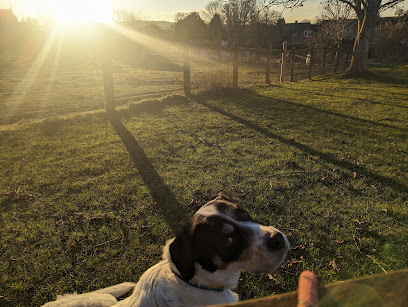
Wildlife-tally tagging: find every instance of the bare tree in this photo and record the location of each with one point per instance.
(7, 4)
(367, 12)
(266, 14)
(241, 13)
(335, 10)
(399, 11)
(180, 16)
(335, 23)
(387, 39)
(212, 8)
(129, 18)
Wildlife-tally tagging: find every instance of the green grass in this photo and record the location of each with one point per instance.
(86, 204)
(69, 85)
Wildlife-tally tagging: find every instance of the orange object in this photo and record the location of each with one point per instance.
(307, 290)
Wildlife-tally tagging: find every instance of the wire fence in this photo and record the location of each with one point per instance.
(211, 68)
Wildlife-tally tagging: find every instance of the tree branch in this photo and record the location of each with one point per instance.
(389, 4)
(349, 3)
(288, 4)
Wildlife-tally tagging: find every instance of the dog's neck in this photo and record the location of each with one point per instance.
(226, 278)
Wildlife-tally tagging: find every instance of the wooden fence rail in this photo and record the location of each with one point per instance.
(235, 62)
(283, 61)
(108, 83)
(384, 290)
(287, 59)
(187, 71)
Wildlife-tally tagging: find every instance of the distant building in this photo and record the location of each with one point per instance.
(297, 33)
(7, 18)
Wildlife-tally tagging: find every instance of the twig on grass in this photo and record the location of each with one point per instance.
(103, 244)
(358, 245)
(377, 263)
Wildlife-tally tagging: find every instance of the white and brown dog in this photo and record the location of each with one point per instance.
(202, 264)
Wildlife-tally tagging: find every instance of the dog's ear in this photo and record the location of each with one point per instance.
(221, 196)
(204, 244)
(182, 254)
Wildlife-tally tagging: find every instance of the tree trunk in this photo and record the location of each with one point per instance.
(366, 24)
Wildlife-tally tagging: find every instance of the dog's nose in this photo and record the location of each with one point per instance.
(275, 242)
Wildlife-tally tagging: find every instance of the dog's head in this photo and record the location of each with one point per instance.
(221, 235)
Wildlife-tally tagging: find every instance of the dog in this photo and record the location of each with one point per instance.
(201, 265)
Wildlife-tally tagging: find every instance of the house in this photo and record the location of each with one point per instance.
(297, 34)
(7, 18)
(9, 29)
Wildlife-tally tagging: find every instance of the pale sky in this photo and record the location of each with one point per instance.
(151, 9)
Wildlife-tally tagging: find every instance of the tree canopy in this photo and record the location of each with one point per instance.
(367, 12)
(190, 26)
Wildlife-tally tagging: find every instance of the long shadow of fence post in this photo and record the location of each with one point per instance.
(328, 157)
(167, 203)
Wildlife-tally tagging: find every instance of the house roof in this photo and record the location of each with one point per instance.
(295, 29)
(7, 16)
(298, 26)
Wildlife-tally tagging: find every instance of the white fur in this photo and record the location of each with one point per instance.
(101, 298)
(160, 287)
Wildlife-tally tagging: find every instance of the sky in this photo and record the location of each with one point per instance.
(79, 10)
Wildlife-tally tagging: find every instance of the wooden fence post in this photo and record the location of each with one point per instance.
(108, 83)
(388, 290)
(285, 46)
(347, 59)
(324, 58)
(235, 62)
(292, 67)
(187, 70)
(311, 63)
(338, 55)
(268, 63)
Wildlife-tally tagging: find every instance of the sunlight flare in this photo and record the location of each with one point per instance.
(67, 11)
(157, 46)
(37, 64)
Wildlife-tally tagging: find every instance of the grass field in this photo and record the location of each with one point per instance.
(87, 203)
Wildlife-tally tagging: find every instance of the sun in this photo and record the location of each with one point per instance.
(68, 11)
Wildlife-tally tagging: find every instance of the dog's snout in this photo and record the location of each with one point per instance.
(275, 242)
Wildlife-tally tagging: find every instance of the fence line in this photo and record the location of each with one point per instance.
(283, 61)
(314, 57)
(235, 62)
(187, 71)
(301, 62)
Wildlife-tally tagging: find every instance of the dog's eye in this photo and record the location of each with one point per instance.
(243, 215)
(228, 241)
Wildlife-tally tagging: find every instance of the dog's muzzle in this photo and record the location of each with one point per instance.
(275, 242)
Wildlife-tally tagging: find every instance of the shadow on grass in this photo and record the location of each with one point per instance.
(340, 115)
(303, 92)
(328, 157)
(157, 63)
(152, 105)
(125, 99)
(384, 77)
(167, 203)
